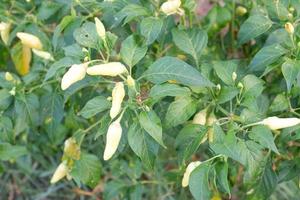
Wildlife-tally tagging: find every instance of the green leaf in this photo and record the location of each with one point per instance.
(11, 152)
(263, 136)
(87, 35)
(227, 93)
(6, 130)
(253, 86)
(254, 26)
(290, 71)
(280, 103)
(142, 144)
(180, 111)
(87, 169)
(222, 176)
(151, 28)
(225, 69)
(266, 56)
(170, 68)
(227, 145)
(189, 139)
(5, 99)
(94, 106)
(52, 111)
(192, 41)
(26, 111)
(166, 89)
(129, 13)
(198, 182)
(133, 50)
(265, 184)
(152, 125)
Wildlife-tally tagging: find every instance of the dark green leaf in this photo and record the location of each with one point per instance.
(290, 70)
(189, 139)
(180, 111)
(222, 176)
(254, 26)
(198, 182)
(169, 68)
(94, 106)
(133, 50)
(266, 56)
(152, 125)
(159, 91)
(151, 28)
(87, 169)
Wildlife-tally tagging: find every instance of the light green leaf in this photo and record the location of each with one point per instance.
(133, 50)
(253, 86)
(263, 136)
(254, 26)
(152, 125)
(290, 71)
(87, 35)
(225, 69)
(280, 103)
(266, 56)
(227, 93)
(170, 68)
(192, 41)
(151, 28)
(180, 111)
(5, 99)
(198, 182)
(222, 176)
(11, 152)
(87, 169)
(94, 106)
(142, 144)
(159, 91)
(188, 140)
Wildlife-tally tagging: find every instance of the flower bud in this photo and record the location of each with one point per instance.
(200, 117)
(240, 10)
(113, 138)
(234, 76)
(75, 73)
(130, 81)
(43, 54)
(188, 171)
(12, 92)
(240, 85)
(170, 7)
(72, 149)
(289, 28)
(275, 123)
(4, 30)
(100, 28)
(118, 94)
(8, 76)
(30, 40)
(108, 69)
(60, 172)
(218, 87)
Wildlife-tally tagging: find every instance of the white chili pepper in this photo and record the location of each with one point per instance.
(30, 40)
(75, 73)
(60, 172)
(118, 94)
(108, 69)
(188, 171)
